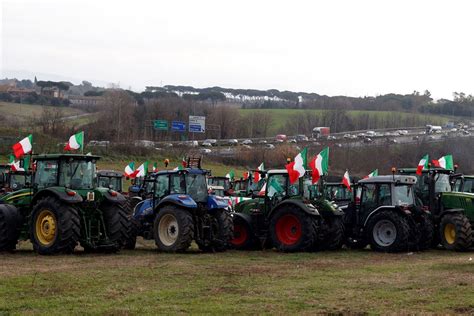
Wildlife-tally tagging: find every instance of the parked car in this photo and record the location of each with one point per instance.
(211, 141)
(247, 142)
(233, 141)
(301, 138)
(263, 141)
(269, 146)
(206, 144)
(205, 151)
(281, 137)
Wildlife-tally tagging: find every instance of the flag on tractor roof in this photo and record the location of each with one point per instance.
(445, 162)
(184, 163)
(142, 170)
(129, 170)
(319, 165)
(75, 142)
(155, 167)
(15, 164)
(423, 164)
(23, 147)
(346, 180)
(256, 174)
(230, 175)
(372, 174)
(274, 187)
(297, 168)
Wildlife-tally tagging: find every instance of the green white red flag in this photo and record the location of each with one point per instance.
(23, 147)
(230, 175)
(445, 162)
(346, 180)
(423, 164)
(246, 175)
(372, 174)
(297, 168)
(75, 142)
(319, 165)
(155, 167)
(15, 164)
(142, 170)
(129, 170)
(256, 174)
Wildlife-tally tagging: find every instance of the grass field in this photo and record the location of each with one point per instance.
(281, 116)
(24, 112)
(144, 281)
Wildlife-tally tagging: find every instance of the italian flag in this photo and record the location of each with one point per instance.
(155, 167)
(237, 200)
(445, 162)
(180, 167)
(15, 164)
(372, 174)
(423, 164)
(319, 164)
(184, 163)
(246, 175)
(230, 175)
(129, 170)
(274, 187)
(142, 170)
(346, 180)
(297, 168)
(262, 190)
(75, 142)
(23, 147)
(256, 174)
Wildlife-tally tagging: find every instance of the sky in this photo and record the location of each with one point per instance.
(332, 47)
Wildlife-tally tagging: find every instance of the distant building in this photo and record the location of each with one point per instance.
(14, 91)
(52, 92)
(83, 100)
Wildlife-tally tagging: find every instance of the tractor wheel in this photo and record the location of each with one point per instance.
(332, 234)
(456, 232)
(244, 238)
(9, 222)
(54, 227)
(292, 230)
(426, 232)
(117, 225)
(173, 229)
(388, 232)
(222, 230)
(132, 232)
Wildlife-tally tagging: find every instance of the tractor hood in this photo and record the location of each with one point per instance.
(214, 201)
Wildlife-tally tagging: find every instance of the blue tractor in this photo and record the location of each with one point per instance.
(178, 209)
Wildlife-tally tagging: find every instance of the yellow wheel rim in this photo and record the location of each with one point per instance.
(46, 227)
(450, 233)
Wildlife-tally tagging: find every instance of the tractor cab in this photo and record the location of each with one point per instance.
(464, 183)
(17, 180)
(4, 169)
(110, 179)
(224, 182)
(250, 187)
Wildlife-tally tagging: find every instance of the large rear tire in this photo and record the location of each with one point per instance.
(456, 232)
(117, 225)
(133, 225)
(222, 230)
(291, 230)
(388, 232)
(173, 229)
(54, 227)
(426, 228)
(9, 224)
(332, 234)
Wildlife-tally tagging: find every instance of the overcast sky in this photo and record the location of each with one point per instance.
(331, 47)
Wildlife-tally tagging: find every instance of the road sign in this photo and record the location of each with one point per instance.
(177, 126)
(197, 124)
(160, 125)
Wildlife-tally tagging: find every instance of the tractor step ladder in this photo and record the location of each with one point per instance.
(194, 162)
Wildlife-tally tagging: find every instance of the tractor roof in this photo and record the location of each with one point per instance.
(109, 173)
(218, 177)
(185, 170)
(65, 156)
(389, 179)
(277, 171)
(413, 170)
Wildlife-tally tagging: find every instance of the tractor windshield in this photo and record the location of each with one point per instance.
(403, 195)
(442, 183)
(196, 187)
(241, 185)
(337, 192)
(219, 182)
(17, 181)
(77, 174)
(114, 183)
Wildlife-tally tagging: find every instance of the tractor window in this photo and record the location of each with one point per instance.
(442, 183)
(468, 185)
(177, 184)
(162, 184)
(385, 196)
(17, 181)
(403, 195)
(77, 174)
(114, 183)
(276, 186)
(458, 185)
(46, 174)
(369, 198)
(196, 187)
(310, 190)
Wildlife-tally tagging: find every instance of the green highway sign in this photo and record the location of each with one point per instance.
(160, 125)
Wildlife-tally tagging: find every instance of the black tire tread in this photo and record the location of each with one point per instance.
(403, 232)
(8, 227)
(185, 220)
(464, 232)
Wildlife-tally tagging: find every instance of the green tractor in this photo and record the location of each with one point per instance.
(110, 179)
(452, 212)
(64, 207)
(15, 180)
(286, 217)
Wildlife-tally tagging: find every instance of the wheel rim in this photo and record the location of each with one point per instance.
(288, 229)
(384, 233)
(450, 233)
(168, 230)
(240, 235)
(45, 227)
